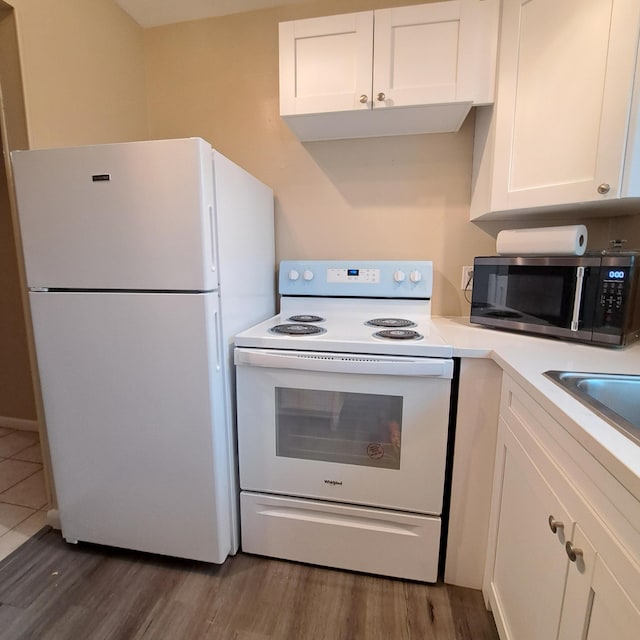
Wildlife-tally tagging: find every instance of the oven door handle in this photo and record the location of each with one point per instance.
(342, 363)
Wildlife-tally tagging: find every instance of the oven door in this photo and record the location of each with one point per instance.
(361, 429)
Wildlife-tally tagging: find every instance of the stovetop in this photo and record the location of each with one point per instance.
(327, 304)
(341, 336)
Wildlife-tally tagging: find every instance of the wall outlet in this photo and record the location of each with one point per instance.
(467, 279)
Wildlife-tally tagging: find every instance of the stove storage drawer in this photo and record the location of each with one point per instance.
(366, 430)
(359, 539)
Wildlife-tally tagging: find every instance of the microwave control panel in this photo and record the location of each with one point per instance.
(615, 294)
(612, 294)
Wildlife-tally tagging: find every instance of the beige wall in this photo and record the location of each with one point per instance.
(83, 72)
(16, 386)
(81, 82)
(399, 197)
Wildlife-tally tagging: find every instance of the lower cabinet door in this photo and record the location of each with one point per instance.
(530, 565)
(596, 605)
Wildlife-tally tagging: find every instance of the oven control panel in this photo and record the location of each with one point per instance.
(353, 274)
(364, 278)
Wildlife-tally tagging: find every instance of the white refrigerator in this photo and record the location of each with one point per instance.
(143, 260)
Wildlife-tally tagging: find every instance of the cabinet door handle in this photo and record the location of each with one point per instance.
(573, 552)
(381, 97)
(604, 188)
(364, 98)
(554, 524)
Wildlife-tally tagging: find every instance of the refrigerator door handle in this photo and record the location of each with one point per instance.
(216, 320)
(214, 234)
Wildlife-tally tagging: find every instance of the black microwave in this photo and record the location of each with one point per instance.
(593, 298)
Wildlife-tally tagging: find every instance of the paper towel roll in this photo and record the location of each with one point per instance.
(570, 240)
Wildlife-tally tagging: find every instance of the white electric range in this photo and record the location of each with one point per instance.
(343, 419)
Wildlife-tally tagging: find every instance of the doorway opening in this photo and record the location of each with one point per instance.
(24, 493)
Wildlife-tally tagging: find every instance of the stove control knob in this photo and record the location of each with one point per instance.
(415, 276)
(293, 274)
(399, 276)
(307, 275)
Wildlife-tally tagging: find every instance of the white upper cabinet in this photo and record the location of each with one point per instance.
(416, 69)
(564, 129)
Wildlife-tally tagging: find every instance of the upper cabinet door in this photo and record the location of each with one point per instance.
(325, 64)
(422, 55)
(570, 86)
(563, 105)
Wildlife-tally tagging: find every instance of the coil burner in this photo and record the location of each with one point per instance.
(306, 318)
(390, 323)
(398, 334)
(297, 329)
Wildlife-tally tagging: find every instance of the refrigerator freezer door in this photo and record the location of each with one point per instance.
(133, 393)
(244, 208)
(136, 216)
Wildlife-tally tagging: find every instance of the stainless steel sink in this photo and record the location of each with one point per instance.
(614, 397)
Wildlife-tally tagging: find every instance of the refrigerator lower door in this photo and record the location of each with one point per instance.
(133, 392)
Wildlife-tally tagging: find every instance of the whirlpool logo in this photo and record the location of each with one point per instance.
(334, 483)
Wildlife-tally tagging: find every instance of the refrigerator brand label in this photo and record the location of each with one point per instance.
(101, 177)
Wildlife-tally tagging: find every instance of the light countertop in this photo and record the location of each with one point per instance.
(526, 358)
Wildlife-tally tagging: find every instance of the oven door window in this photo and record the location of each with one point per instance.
(337, 426)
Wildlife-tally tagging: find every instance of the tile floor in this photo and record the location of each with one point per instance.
(23, 498)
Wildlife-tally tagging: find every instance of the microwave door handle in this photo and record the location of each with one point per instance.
(577, 298)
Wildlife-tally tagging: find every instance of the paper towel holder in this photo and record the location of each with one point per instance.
(617, 245)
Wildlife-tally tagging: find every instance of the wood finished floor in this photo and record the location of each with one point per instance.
(51, 590)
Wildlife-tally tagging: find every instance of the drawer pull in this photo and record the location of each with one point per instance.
(573, 552)
(554, 524)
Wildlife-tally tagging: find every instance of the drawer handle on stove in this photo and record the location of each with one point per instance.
(341, 363)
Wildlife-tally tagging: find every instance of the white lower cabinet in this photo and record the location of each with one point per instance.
(563, 549)
(530, 561)
(596, 606)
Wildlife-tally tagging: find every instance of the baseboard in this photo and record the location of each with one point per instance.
(498, 616)
(19, 423)
(53, 518)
